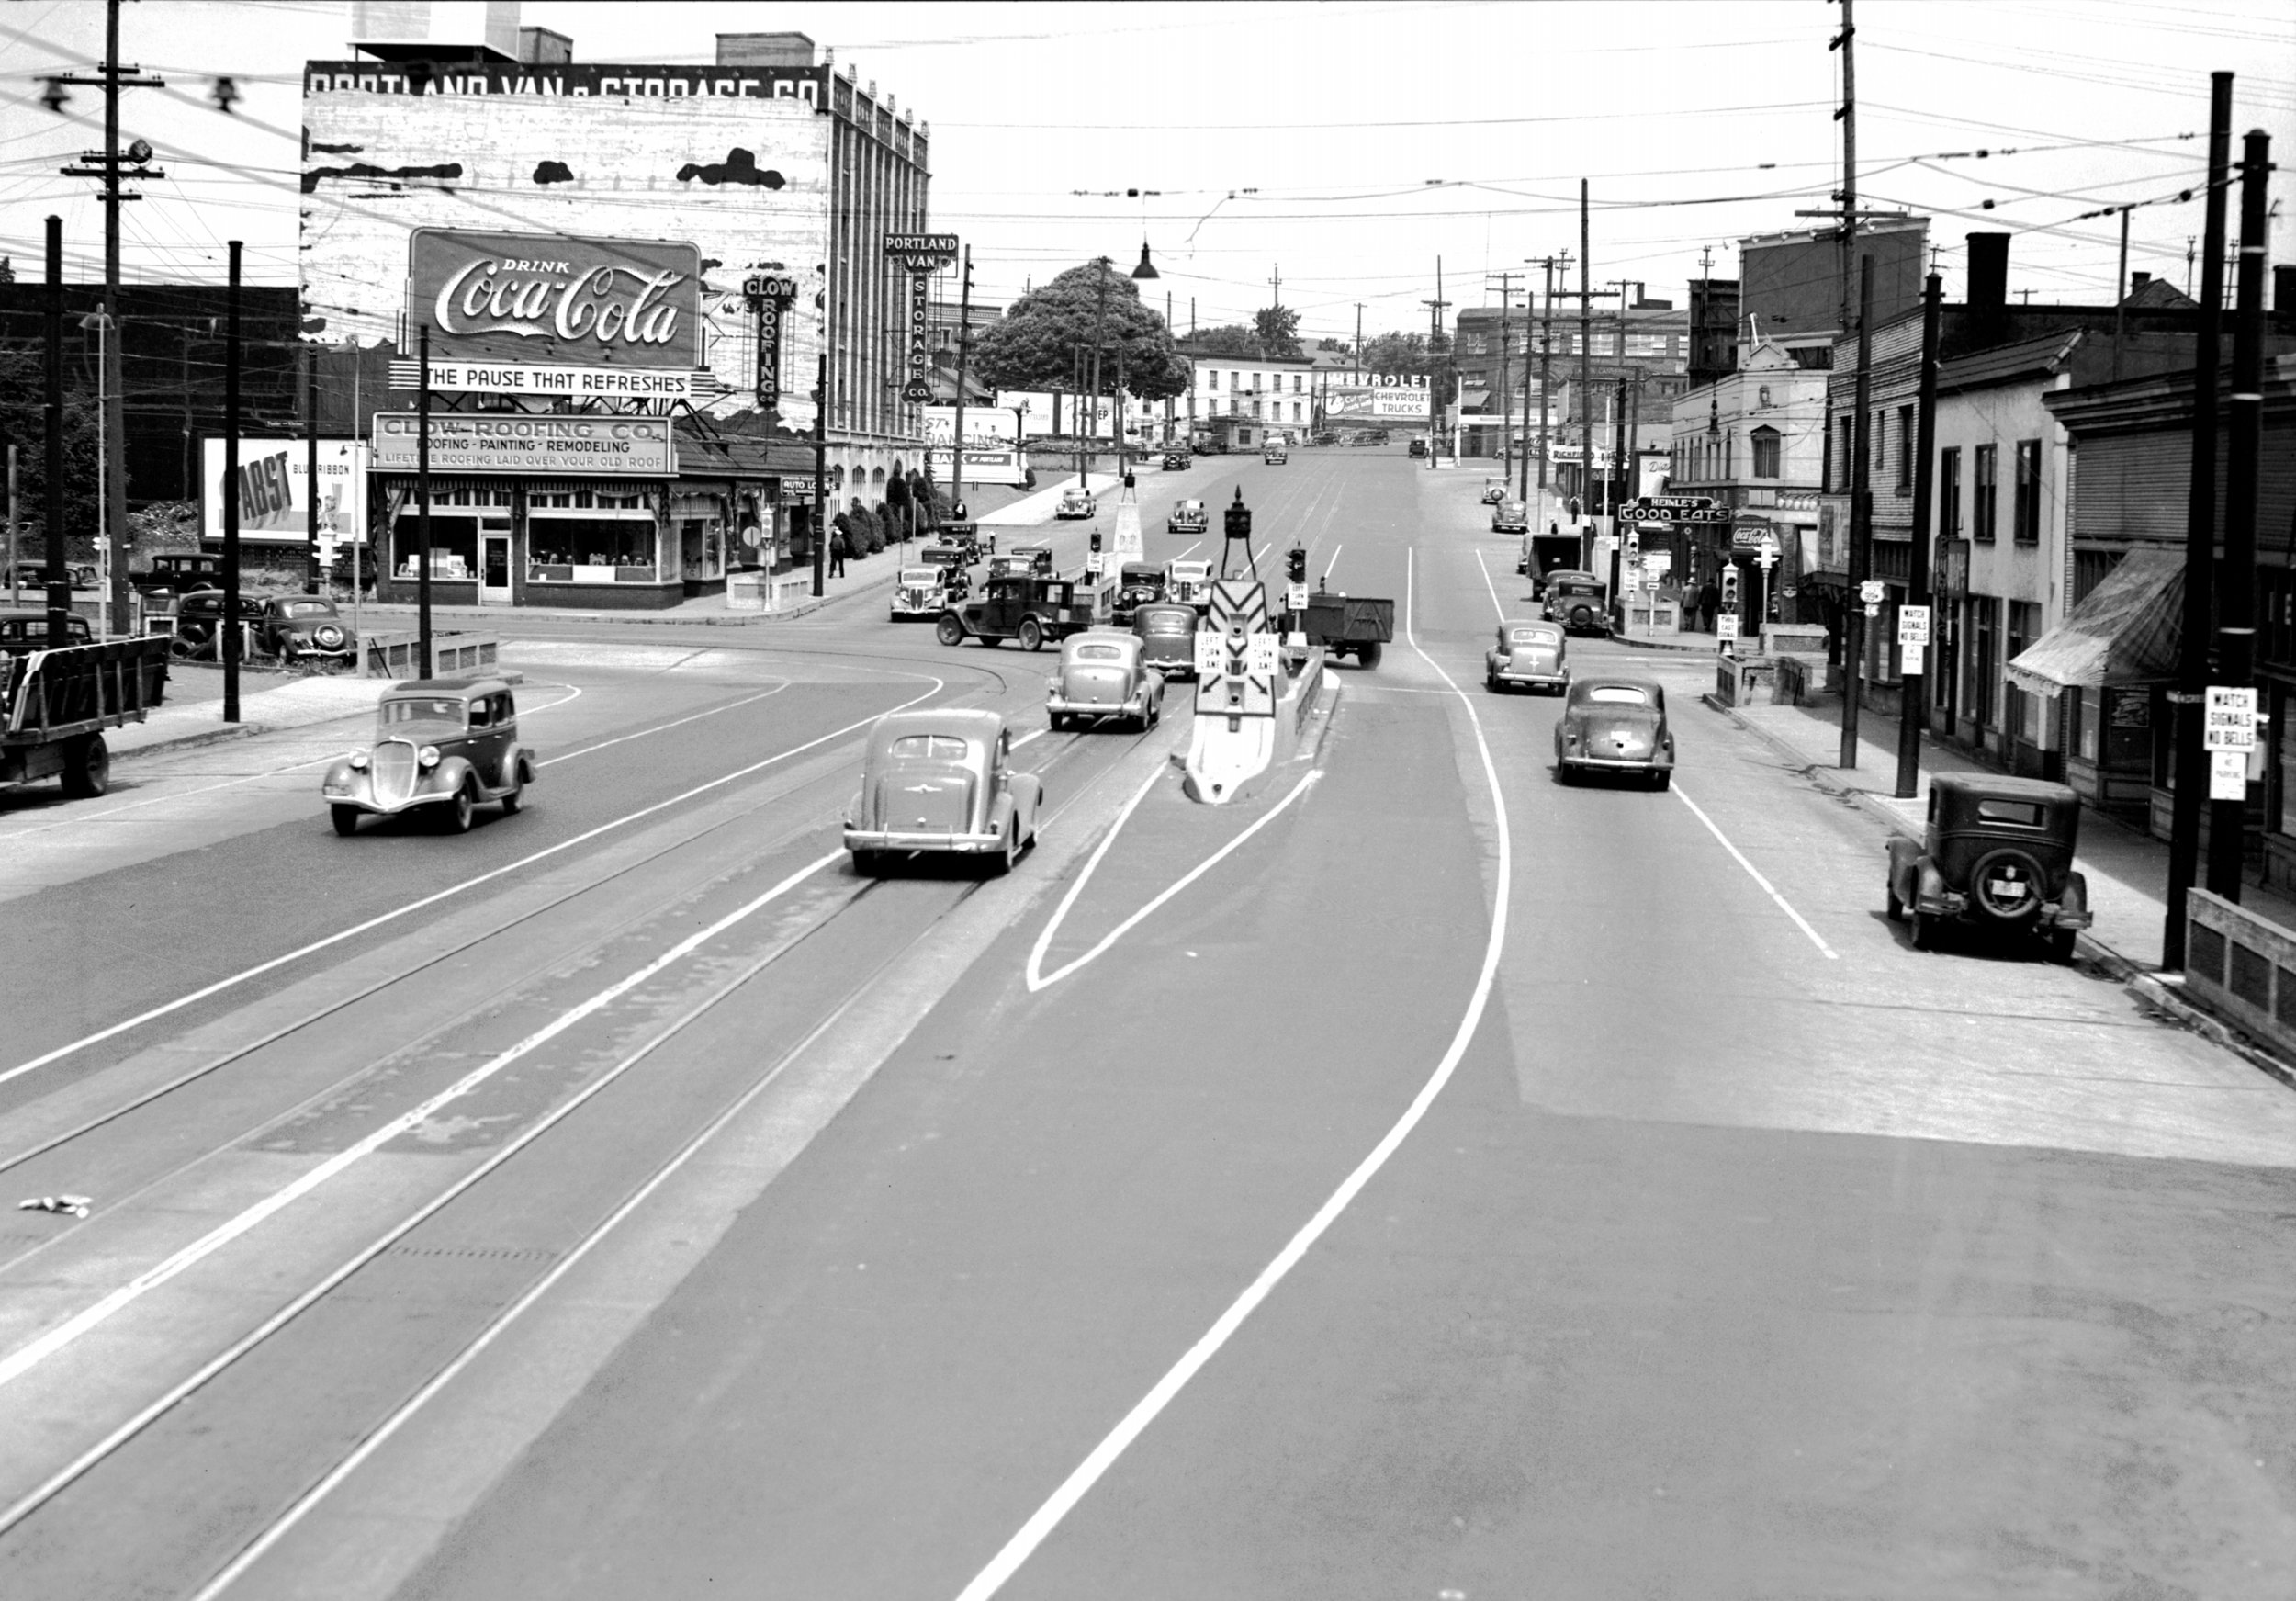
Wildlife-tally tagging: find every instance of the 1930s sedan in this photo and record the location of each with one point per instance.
(919, 593)
(1579, 601)
(1188, 582)
(303, 630)
(942, 783)
(1138, 585)
(1103, 678)
(443, 746)
(1166, 631)
(1997, 854)
(1187, 517)
(1075, 502)
(1531, 654)
(1614, 725)
(1509, 515)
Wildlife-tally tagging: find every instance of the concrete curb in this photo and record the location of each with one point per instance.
(2157, 991)
(1660, 645)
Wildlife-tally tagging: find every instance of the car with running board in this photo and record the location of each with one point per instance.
(1028, 608)
(443, 747)
(1995, 856)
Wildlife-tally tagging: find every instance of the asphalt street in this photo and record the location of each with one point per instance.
(1465, 1185)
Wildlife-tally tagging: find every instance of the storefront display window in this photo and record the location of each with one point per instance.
(590, 547)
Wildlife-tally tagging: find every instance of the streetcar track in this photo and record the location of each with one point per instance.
(822, 920)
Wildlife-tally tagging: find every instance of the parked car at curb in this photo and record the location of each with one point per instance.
(942, 783)
(304, 629)
(1187, 517)
(1166, 631)
(1494, 491)
(1579, 601)
(1614, 725)
(1104, 678)
(1075, 502)
(1529, 654)
(919, 593)
(443, 746)
(1997, 854)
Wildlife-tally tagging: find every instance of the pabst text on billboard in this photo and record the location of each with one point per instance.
(554, 300)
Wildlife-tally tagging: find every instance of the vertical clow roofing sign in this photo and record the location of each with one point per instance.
(555, 298)
(920, 255)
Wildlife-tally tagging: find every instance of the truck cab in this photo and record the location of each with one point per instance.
(1027, 607)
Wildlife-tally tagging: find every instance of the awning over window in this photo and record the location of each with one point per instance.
(2126, 631)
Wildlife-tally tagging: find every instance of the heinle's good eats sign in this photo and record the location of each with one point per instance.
(467, 442)
(554, 300)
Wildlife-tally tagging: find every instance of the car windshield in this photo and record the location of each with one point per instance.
(928, 748)
(1618, 695)
(446, 713)
(1099, 653)
(1170, 621)
(924, 575)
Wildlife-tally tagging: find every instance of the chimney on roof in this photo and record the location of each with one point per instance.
(765, 49)
(1988, 272)
(544, 47)
(2138, 280)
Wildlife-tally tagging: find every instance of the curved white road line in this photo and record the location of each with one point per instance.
(1039, 979)
(221, 985)
(1755, 874)
(1047, 1517)
(659, 727)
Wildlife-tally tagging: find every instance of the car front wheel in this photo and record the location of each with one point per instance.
(345, 819)
(1032, 633)
(949, 630)
(462, 808)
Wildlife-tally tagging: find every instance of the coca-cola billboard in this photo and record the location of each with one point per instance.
(555, 299)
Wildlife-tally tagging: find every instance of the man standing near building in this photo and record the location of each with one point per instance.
(1709, 605)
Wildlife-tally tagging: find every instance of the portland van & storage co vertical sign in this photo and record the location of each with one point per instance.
(920, 255)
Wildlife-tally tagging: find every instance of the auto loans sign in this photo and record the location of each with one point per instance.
(556, 300)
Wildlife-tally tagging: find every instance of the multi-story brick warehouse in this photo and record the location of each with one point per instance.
(768, 162)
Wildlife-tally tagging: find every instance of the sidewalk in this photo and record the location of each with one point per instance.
(2127, 869)
(191, 713)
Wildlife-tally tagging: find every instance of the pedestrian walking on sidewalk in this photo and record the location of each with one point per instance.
(837, 550)
(1709, 604)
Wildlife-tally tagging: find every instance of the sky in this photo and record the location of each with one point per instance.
(1347, 147)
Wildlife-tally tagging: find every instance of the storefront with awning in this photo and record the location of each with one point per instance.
(2112, 658)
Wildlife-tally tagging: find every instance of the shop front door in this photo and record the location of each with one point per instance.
(494, 570)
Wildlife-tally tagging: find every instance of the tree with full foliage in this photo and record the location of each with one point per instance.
(1397, 352)
(1278, 329)
(1035, 344)
(24, 423)
(1228, 339)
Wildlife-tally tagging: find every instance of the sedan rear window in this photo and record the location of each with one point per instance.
(1617, 695)
(1099, 653)
(2026, 814)
(1534, 637)
(928, 748)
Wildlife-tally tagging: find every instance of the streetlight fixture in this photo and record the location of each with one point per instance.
(1146, 269)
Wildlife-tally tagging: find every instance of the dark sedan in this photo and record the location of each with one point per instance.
(1614, 725)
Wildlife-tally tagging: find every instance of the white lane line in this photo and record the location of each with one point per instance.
(1183, 555)
(1033, 734)
(221, 985)
(1073, 1489)
(1334, 561)
(1755, 873)
(1039, 979)
(1493, 588)
(24, 1358)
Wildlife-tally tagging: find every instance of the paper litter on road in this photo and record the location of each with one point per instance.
(77, 1205)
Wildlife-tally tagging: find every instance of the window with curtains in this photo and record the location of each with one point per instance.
(1984, 493)
(1766, 452)
(2026, 525)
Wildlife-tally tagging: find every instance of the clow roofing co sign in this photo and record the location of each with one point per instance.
(555, 299)
(920, 255)
(527, 442)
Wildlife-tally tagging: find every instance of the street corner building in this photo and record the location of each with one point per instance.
(627, 285)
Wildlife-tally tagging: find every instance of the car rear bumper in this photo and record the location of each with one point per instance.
(1135, 707)
(1621, 763)
(1954, 904)
(1544, 679)
(896, 840)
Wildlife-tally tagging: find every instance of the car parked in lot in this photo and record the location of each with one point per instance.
(1529, 654)
(1614, 725)
(26, 630)
(1579, 601)
(1104, 679)
(919, 593)
(305, 630)
(1177, 461)
(1996, 853)
(1166, 632)
(1510, 516)
(1138, 583)
(942, 783)
(1187, 517)
(33, 575)
(177, 573)
(443, 746)
(196, 616)
(1075, 502)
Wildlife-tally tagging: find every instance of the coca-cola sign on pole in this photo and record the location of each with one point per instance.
(552, 299)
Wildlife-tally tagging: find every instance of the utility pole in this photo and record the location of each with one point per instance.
(821, 471)
(1861, 521)
(1435, 384)
(1913, 708)
(310, 471)
(1358, 336)
(2236, 575)
(1586, 357)
(964, 342)
(59, 580)
(1847, 115)
(2120, 294)
(1099, 329)
(115, 76)
(227, 635)
(422, 499)
(1506, 391)
(2192, 665)
(1545, 363)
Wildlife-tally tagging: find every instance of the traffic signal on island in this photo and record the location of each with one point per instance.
(1096, 542)
(1296, 564)
(1729, 587)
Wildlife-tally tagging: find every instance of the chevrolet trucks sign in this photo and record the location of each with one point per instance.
(554, 300)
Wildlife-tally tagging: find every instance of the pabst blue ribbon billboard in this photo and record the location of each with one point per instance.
(556, 300)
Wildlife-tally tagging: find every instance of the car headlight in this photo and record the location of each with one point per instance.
(358, 760)
(427, 758)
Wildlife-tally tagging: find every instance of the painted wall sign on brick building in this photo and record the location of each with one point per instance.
(528, 442)
(556, 299)
(577, 79)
